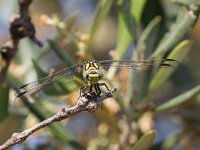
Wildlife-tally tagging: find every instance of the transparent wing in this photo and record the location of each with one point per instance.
(51, 83)
(113, 68)
(139, 65)
(134, 76)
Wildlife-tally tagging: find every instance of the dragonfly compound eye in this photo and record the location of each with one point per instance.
(86, 74)
(100, 73)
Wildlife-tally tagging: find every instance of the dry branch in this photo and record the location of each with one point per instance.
(90, 102)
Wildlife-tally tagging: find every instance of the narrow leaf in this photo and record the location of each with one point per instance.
(61, 87)
(39, 71)
(126, 29)
(179, 100)
(178, 53)
(125, 8)
(187, 2)
(145, 141)
(147, 38)
(141, 48)
(64, 57)
(123, 36)
(183, 22)
(137, 9)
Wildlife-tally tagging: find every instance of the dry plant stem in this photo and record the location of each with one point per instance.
(89, 102)
(20, 27)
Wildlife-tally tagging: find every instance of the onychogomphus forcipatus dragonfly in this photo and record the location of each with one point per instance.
(92, 72)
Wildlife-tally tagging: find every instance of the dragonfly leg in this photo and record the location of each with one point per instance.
(103, 84)
(82, 90)
(98, 90)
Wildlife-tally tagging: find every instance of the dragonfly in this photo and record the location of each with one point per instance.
(93, 73)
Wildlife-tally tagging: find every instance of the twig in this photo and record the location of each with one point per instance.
(20, 27)
(90, 102)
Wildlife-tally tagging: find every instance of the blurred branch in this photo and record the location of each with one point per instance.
(90, 102)
(20, 27)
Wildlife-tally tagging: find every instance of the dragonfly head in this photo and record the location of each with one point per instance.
(92, 72)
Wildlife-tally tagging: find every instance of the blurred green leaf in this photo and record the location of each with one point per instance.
(178, 53)
(126, 27)
(147, 38)
(129, 20)
(141, 50)
(187, 2)
(178, 100)
(123, 37)
(137, 9)
(183, 22)
(64, 57)
(103, 8)
(4, 97)
(59, 87)
(39, 71)
(145, 142)
(170, 142)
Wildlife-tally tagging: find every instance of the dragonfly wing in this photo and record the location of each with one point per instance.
(136, 65)
(54, 80)
(138, 74)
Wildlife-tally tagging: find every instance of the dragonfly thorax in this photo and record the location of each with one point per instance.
(92, 73)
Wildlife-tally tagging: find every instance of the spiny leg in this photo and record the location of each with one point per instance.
(97, 87)
(103, 84)
(82, 90)
(98, 90)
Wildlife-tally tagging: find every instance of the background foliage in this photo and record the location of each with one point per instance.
(166, 115)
